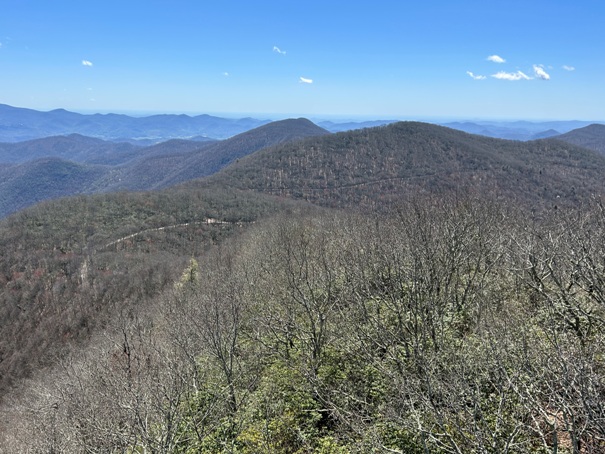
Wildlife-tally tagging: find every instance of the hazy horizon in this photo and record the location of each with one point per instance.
(336, 118)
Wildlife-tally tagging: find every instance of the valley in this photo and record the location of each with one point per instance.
(406, 287)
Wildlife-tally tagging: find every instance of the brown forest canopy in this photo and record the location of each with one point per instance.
(453, 301)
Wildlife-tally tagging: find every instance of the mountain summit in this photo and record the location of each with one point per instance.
(373, 166)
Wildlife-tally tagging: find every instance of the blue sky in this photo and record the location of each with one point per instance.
(348, 59)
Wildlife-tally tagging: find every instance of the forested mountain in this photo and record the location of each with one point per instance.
(88, 150)
(49, 177)
(376, 167)
(452, 303)
(22, 185)
(545, 134)
(126, 167)
(170, 147)
(163, 170)
(73, 147)
(591, 136)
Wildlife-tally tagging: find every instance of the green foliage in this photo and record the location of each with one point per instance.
(190, 276)
(284, 415)
(397, 439)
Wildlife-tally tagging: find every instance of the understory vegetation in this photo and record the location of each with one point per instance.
(455, 326)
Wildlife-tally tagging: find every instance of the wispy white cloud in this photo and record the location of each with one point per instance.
(304, 80)
(278, 50)
(540, 73)
(503, 75)
(226, 74)
(496, 59)
(568, 68)
(476, 76)
(86, 63)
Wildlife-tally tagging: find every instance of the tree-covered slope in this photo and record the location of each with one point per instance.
(452, 326)
(159, 171)
(375, 166)
(22, 185)
(73, 147)
(592, 137)
(69, 266)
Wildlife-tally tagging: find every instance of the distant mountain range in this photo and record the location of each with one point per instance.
(73, 163)
(351, 125)
(19, 124)
(517, 130)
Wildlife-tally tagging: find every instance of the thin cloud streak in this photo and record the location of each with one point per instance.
(476, 76)
(86, 63)
(519, 75)
(304, 80)
(568, 68)
(278, 50)
(496, 59)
